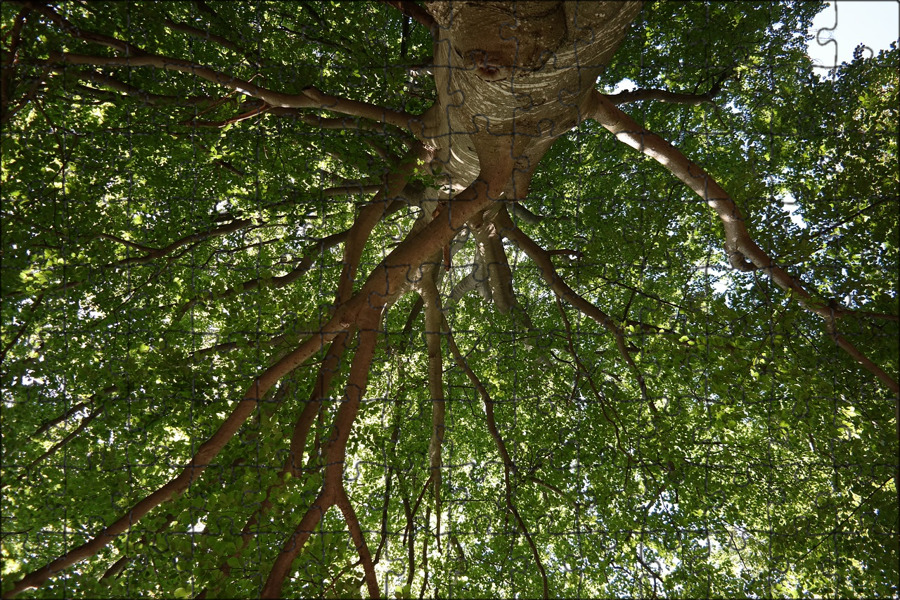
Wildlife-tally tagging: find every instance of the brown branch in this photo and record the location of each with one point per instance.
(253, 112)
(743, 252)
(293, 463)
(273, 282)
(264, 507)
(127, 89)
(411, 554)
(414, 11)
(309, 98)
(177, 485)
(136, 57)
(10, 57)
(340, 123)
(661, 96)
(48, 424)
(204, 35)
(433, 317)
(493, 258)
(549, 486)
(363, 308)
(587, 375)
(389, 476)
(327, 371)
(425, 539)
(673, 97)
(199, 236)
(229, 346)
(403, 120)
(542, 258)
(356, 534)
(76, 32)
(334, 457)
(116, 568)
(403, 265)
(124, 242)
(508, 464)
(371, 214)
(53, 449)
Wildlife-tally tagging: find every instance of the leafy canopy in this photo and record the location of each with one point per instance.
(168, 238)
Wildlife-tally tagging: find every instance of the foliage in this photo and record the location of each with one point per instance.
(159, 254)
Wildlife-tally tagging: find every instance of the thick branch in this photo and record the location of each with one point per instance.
(403, 265)
(743, 252)
(363, 308)
(327, 371)
(413, 10)
(371, 214)
(8, 70)
(497, 266)
(334, 460)
(176, 486)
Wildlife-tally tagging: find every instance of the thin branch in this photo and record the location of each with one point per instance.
(126, 89)
(204, 35)
(76, 32)
(277, 282)
(137, 57)
(55, 421)
(601, 399)
(508, 464)
(433, 317)
(15, 339)
(520, 212)
(661, 96)
(83, 425)
(152, 255)
(309, 98)
(334, 456)
(116, 568)
(124, 242)
(391, 469)
(542, 258)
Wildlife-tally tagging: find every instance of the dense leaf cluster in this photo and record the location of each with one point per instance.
(166, 239)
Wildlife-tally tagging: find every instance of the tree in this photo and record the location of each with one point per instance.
(339, 299)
